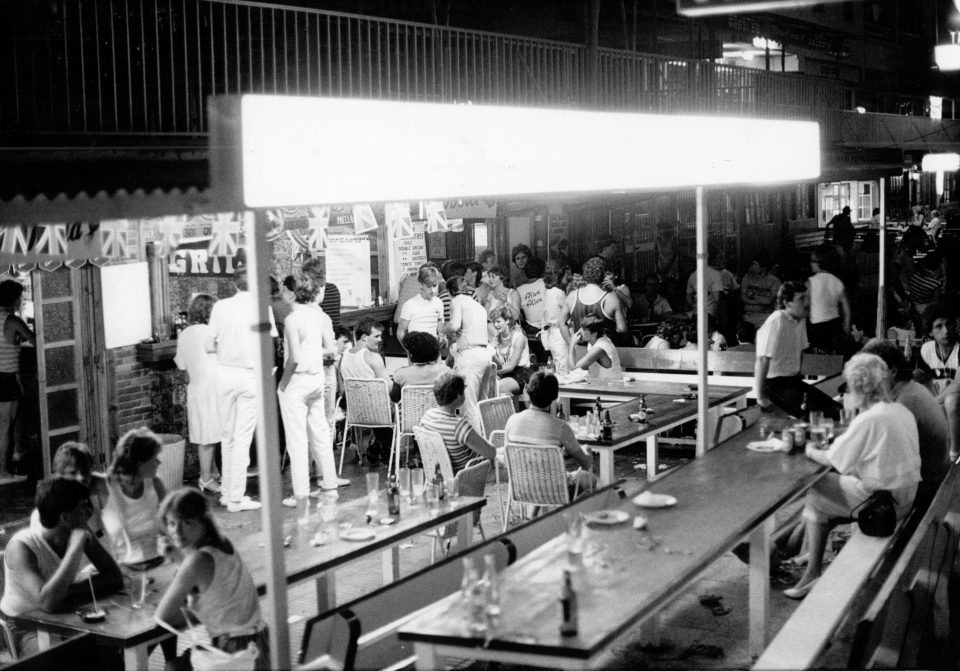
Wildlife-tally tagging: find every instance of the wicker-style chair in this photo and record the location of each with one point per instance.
(368, 407)
(490, 384)
(433, 451)
(498, 439)
(536, 475)
(414, 401)
(8, 639)
(494, 413)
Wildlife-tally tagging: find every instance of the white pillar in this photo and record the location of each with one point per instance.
(704, 347)
(882, 281)
(271, 486)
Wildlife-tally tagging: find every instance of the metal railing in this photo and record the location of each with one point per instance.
(147, 67)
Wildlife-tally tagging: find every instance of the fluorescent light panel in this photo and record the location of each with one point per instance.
(946, 162)
(307, 151)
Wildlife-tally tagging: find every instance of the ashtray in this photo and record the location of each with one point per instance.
(92, 615)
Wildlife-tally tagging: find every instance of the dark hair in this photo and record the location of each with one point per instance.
(542, 389)
(487, 254)
(672, 330)
(593, 270)
(789, 290)
(605, 241)
(455, 285)
(10, 292)
(135, 447)
(447, 387)
(365, 327)
(746, 332)
(498, 271)
(553, 272)
(421, 347)
(187, 503)
(315, 268)
(593, 324)
(343, 332)
(75, 454)
(521, 249)
(429, 276)
(453, 269)
(289, 282)
(200, 307)
(534, 268)
(474, 266)
(240, 278)
(891, 355)
(305, 288)
(827, 257)
(649, 276)
(56, 496)
(939, 311)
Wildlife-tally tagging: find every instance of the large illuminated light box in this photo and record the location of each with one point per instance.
(947, 162)
(271, 151)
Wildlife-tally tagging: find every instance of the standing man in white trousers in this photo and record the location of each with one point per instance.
(468, 325)
(234, 340)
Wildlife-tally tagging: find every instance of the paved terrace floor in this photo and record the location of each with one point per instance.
(693, 636)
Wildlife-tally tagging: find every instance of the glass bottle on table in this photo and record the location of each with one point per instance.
(393, 496)
(438, 481)
(492, 585)
(569, 620)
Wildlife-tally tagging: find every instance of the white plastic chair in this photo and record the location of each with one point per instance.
(414, 401)
(537, 476)
(368, 407)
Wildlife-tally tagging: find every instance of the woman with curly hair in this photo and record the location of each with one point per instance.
(307, 334)
(203, 418)
(512, 351)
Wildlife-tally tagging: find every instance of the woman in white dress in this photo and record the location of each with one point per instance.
(203, 419)
(602, 359)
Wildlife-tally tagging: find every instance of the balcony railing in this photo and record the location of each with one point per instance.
(147, 67)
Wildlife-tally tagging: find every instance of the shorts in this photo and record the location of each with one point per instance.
(10, 387)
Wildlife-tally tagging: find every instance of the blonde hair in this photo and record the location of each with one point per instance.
(867, 378)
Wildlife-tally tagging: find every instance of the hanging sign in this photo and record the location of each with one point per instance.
(470, 209)
(411, 254)
(348, 266)
(192, 258)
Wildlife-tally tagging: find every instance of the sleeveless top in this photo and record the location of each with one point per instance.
(309, 322)
(353, 364)
(132, 524)
(229, 605)
(9, 351)
(595, 309)
(16, 599)
(615, 370)
(505, 350)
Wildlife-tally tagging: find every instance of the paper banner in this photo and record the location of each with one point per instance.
(398, 220)
(363, 219)
(307, 226)
(436, 219)
(170, 230)
(55, 243)
(225, 235)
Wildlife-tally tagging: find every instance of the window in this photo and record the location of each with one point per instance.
(865, 202)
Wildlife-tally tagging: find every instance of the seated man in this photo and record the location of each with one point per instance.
(424, 367)
(462, 441)
(537, 426)
(42, 565)
(364, 361)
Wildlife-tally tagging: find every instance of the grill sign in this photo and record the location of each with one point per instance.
(706, 7)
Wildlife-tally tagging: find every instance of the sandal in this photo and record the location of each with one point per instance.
(209, 486)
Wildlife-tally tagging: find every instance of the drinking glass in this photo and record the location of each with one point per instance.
(328, 507)
(847, 415)
(816, 416)
(818, 434)
(404, 481)
(765, 430)
(453, 489)
(373, 483)
(416, 483)
(574, 522)
(137, 588)
(432, 493)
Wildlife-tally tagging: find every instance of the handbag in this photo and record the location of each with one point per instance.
(877, 515)
(203, 657)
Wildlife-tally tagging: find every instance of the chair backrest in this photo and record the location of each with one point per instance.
(490, 384)
(734, 423)
(330, 643)
(537, 474)
(415, 399)
(368, 401)
(494, 413)
(79, 652)
(433, 451)
(497, 438)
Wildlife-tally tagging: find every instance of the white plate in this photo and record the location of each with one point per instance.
(606, 517)
(358, 534)
(651, 500)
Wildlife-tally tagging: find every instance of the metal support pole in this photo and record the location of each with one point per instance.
(702, 399)
(271, 486)
(882, 283)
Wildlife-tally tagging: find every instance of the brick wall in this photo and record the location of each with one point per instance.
(131, 383)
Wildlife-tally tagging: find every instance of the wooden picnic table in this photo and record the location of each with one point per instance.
(629, 575)
(133, 631)
(673, 404)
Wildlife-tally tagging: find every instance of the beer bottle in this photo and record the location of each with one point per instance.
(393, 495)
(438, 481)
(568, 607)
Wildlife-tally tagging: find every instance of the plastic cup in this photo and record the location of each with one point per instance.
(373, 483)
(138, 589)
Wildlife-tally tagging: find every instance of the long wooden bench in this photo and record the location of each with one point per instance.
(372, 621)
(862, 561)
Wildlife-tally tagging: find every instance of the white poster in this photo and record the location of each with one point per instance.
(348, 266)
(411, 254)
(126, 304)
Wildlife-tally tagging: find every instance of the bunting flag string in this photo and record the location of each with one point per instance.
(171, 231)
(225, 235)
(364, 220)
(398, 221)
(436, 219)
(114, 239)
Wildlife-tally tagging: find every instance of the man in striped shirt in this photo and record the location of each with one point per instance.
(462, 441)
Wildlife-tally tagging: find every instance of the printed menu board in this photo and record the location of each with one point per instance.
(348, 266)
(411, 254)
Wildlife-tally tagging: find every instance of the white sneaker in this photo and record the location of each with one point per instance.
(334, 484)
(240, 506)
(289, 502)
(224, 502)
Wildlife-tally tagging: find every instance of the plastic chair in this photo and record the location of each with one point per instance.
(330, 642)
(490, 384)
(368, 407)
(537, 476)
(433, 451)
(494, 413)
(498, 439)
(414, 401)
(729, 425)
(4, 627)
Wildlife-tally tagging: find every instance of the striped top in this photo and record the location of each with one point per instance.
(9, 351)
(923, 286)
(454, 430)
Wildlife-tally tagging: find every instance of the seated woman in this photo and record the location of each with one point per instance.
(423, 354)
(211, 580)
(670, 335)
(511, 351)
(880, 450)
(461, 440)
(601, 359)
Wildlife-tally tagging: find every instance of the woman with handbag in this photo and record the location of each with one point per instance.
(212, 580)
(880, 451)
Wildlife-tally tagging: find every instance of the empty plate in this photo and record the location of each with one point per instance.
(606, 517)
(358, 534)
(651, 500)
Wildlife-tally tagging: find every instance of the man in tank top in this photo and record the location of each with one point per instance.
(364, 361)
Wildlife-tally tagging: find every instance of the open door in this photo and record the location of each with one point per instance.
(70, 362)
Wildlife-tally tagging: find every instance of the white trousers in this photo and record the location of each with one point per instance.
(472, 364)
(554, 343)
(237, 406)
(308, 434)
(330, 399)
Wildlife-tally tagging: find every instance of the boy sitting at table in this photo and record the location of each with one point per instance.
(41, 565)
(537, 426)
